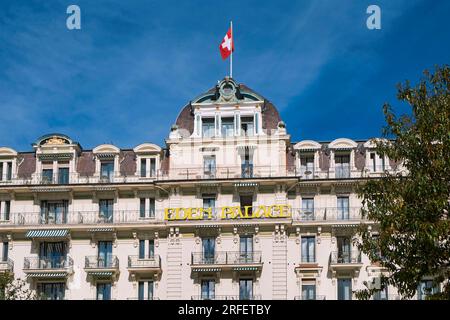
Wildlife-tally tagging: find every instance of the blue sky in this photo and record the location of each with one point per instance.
(125, 75)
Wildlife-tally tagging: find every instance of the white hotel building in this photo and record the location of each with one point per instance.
(229, 208)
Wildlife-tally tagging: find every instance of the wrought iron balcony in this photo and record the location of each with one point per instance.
(145, 263)
(352, 257)
(6, 265)
(222, 297)
(308, 297)
(226, 258)
(47, 263)
(96, 262)
(327, 214)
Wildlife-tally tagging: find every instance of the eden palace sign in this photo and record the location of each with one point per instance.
(237, 212)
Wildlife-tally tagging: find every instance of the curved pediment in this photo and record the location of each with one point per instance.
(307, 145)
(7, 152)
(53, 139)
(147, 148)
(106, 148)
(342, 143)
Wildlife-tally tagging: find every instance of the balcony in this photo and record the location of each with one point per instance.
(96, 266)
(306, 297)
(48, 267)
(6, 265)
(215, 297)
(332, 214)
(77, 218)
(250, 261)
(150, 264)
(345, 261)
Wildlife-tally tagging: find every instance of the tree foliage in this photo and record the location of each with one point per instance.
(14, 289)
(411, 210)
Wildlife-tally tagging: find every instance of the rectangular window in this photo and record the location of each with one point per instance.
(257, 123)
(227, 129)
(342, 164)
(54, 212)
(208, 250)
(307, 209)
(51, 291)
(381, 295)
(208, 289)
(5, 251)
(150, 245)
(47, 176)
(103, 291)
(308, 291)
(8, 170)
(343, 210)
(246, 249)
(63, 175)
(141, 290)
(209, 166)
(344, 289)
(426, 288)
(7, 210)
(308, 249)
(152, 167)
(246, 165)
(1, 171)
(208, 127)
(247, 127)
(104, 257)
(52, 255)
(107, 170)
(373, 161)
(152, 208)
(344, 250)
(106, 210)
(142, 207)
(143, 167)
(307, 166)
(246, 201)
(245, 289)
(209, 202)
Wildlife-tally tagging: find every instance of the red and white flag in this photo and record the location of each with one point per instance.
(227, 45)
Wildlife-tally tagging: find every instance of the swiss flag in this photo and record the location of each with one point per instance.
(227, 45)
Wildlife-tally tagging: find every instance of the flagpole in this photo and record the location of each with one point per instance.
(232, 44)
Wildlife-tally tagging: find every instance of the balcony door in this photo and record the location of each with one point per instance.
(52, 255)
(345, 289)
(141, 290)
(245, 289)
(308, 249)
(209, 166)
(106, 209)
(308, 209)
(246, 201)
(104, 257)
(208, 289)
(54, 212)
(309, 291)
(208, 247)
(51, 291)
(150, 244)
(63, 175)
(209, 202)
(246, 249)
(103, 291)
(247, 165)
(344, 250)
(307, 167)
(342, 164)
(343, 210)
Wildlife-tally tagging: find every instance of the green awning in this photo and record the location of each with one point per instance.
(47, 233)
(47, 275)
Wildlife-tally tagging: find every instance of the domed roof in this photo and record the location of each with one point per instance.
(228, 90)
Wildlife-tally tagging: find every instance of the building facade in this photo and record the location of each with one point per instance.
(229, 208)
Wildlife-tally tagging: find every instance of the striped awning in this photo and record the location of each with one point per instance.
(245, 268)
(101, 273)
(47, 233)
(47, 275)
(101, 230)
(206, 269)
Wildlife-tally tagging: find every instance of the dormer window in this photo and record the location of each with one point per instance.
(307, 166)
(227, 129)
(377, 163)
(106, 169)
(342, 163)
(5, 171)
